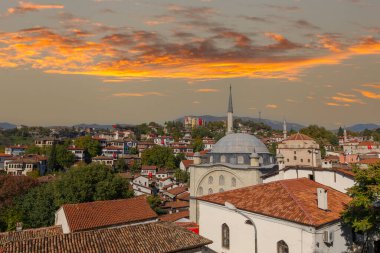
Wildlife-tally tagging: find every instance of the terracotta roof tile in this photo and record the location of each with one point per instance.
(299, 137)
(176, 204)
(370, 161)
(158, 237)
(174, 216)
(149, 167)
(184, 196)
(27, 234)
(187, 163)
(293, 200)
(98, 214)
(177, 190)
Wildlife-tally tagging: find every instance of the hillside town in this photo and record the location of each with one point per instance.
(187, 186)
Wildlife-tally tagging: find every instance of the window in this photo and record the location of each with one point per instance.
(221, 190)
(200, 191)
(287, 160)
(210, 191)
(225, 236)
(223, 159)
(282, 247)
(295, 152)
(210, 180)
(233, 182)
(221, 180)
(311, 177)
(240, 159)
(308, 160)
(211, 159)
(295, 158)
(301, 160)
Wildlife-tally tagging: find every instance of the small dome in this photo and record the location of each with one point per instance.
(240, 143)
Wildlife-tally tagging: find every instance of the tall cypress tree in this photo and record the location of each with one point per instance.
(52, 161)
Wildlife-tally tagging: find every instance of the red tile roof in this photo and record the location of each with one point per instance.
(176, 204)
(98, 214)
(187, 163)
(27, 234)
(5, 155)
(177, 190)
(157, 237)
(299, 137)
(293, 200)
(184, 196)
(367, 143)
(174, 216)
(370, 161)
(149, 167)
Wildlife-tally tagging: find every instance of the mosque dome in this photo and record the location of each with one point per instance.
(239, 143)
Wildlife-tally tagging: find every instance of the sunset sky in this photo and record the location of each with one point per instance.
(65, 62)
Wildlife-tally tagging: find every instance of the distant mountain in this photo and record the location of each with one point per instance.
(98, 126)
(361, 127)
(6, 125)
(276, 125)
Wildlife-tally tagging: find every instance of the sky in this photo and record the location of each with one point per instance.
(65, 62)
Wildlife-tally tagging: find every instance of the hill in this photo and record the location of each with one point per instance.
(361, 127)
(6, 125)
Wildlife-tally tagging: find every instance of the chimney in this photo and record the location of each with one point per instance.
(322, 198)
(18, 226)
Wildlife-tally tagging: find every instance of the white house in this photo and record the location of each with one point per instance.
(79, 153)
(336, 178)
(297, 215)
(141, 186)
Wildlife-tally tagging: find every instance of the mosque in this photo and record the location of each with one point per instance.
(237, 160)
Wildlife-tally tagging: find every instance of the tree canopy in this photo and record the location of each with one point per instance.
(363, 212)
(92, 147)
(80, 184)
(162, 157)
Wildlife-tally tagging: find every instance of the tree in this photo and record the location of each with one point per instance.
(178, 158)
(340, 132)
(321, 135)
(52, 164)
(181, 176)
(65, 159)
(12, 187)
(34, 150)
(363, 212)
(162, 157)
(197, 145)
(133, 151)
(91, 146)
(155, 203)
(80, 184)
(120, 165)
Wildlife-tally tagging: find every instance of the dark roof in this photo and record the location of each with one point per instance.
(99, 214)
(158, 237)
(27, 234)
(293, 200)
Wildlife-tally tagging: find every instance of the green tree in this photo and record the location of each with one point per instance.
(34, 150)
(340, 132)
(197, 145)
(120, 165)
(155, 203)
(178, 158)
(65, 159)
(321, 135)
(201, 132)
(162, 157)
(52, 164)
(181, 176)
(91, 146)
(133, 151)
(363, 212)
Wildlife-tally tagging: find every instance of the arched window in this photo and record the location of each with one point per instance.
(211, 159)
(210, 179)
(240, 159)
(200, 191)
(221, 190)
(210, 191)
(282, 247)
(233, 182)
(225, 236)
(223, 159)
(221, 180)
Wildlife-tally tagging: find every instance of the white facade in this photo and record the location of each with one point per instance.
(335, 179)
(60, 219)
(299, 238)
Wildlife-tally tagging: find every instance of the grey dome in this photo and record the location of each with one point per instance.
(239, 143)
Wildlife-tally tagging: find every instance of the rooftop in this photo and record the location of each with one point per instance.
(174, 216)
(238, 143)
(293, 200)
(299, 137)
(98, 214)
(27, 234)
(158, 237)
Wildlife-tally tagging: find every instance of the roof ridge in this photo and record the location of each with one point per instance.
(297, 202)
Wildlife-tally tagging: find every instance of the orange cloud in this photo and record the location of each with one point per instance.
(347, 100)
(377, 86)
(146, 55)
(24, 7)
(271, 106)
(144, 94)
(368, 94)
(336, 104)
(207, 90)
(345, 94)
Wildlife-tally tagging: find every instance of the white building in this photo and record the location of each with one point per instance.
(300, 149)
(237, 160)
(297, 215)
(336, 178)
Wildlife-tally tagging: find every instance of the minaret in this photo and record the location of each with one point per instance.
(229, 114)
(284, 130)
(344, 135)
